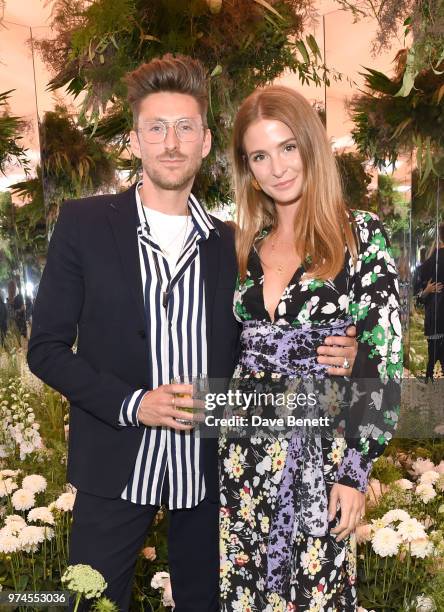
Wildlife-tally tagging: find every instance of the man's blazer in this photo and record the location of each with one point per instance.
(91, 290)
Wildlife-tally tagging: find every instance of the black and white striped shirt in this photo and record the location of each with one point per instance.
(177, 337)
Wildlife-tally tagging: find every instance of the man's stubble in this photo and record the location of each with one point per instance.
(159, 177)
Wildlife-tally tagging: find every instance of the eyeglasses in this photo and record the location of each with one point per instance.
(187, 130)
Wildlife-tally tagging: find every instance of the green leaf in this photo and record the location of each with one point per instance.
(151, 37)
(440, 93)
(303, 51)
(401, 127)
(216, 71)
(311, 41)
(22, 582)
(248, 40)
(268, 6)
(410, 73)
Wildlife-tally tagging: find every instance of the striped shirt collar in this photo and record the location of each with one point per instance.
(201, 219)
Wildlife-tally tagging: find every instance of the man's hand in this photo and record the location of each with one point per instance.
(432, 287)
(352, 504)
(161, 406)
(338, 348)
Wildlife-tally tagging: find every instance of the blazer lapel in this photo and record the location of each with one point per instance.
(209, 260)
(122, 215)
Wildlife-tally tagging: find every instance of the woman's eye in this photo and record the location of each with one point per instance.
(290, 147)
(258, 157)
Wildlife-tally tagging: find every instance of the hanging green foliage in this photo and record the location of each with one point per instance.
(72, 165)
(243, 43)
(10, 135)
(355, 179)
(388, 124)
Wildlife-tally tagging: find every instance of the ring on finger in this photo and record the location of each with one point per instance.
(173, 401)
(346, 363)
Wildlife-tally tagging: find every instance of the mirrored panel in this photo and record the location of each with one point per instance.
(427, 269)
(19, 265)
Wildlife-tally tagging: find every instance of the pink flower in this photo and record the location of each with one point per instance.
(149, 553)
(404, 484)
(440, 467)
(422, 465)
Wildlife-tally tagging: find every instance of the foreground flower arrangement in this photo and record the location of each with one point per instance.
(36, 503)
(400, 543)
(401, 546)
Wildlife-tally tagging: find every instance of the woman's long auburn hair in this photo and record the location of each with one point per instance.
(322, 226)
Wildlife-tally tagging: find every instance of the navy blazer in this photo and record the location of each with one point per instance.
(91, 290)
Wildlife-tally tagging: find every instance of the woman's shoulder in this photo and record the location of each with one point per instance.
(368, 227)
(363, 218)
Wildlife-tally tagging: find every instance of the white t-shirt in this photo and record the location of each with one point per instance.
(170, 232)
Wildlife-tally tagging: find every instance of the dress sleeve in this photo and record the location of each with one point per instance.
(377, 371)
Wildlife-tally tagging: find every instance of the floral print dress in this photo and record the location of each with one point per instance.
(322, 571)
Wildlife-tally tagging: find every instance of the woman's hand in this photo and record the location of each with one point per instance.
(352, 504)
(432, 287)
(336, 349)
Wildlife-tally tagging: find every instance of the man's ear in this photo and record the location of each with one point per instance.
(134, 144)
(206, 145)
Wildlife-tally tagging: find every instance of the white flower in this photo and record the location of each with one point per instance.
(23, 499)
(159, 579)
(424, 604)
(15, 523)
(404, 484)
(7, 486)
(82, 578)
(65, 502)
(395, 515)
(9, 543)
(422, 547)
(411, 529)
(48, 532)
(34, 483)
(425, 492)
(167, 597)
(42, 514)
(329, 308)
(386, 542)
(6, 473)
(31, 536)
(343, 302)
(422, 465)
(429, 477)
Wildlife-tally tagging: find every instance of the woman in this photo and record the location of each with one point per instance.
(307, 266)
(432, 281)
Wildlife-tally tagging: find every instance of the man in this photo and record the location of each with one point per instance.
(3, 320)
(146, 279)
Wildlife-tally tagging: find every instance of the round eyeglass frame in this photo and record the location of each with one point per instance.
(166, 125)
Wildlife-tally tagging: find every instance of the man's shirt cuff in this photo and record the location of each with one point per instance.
(130, 407)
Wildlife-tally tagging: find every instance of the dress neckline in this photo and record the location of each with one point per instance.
(296, 274)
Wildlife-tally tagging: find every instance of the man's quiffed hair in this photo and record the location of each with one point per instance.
(174, 73)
